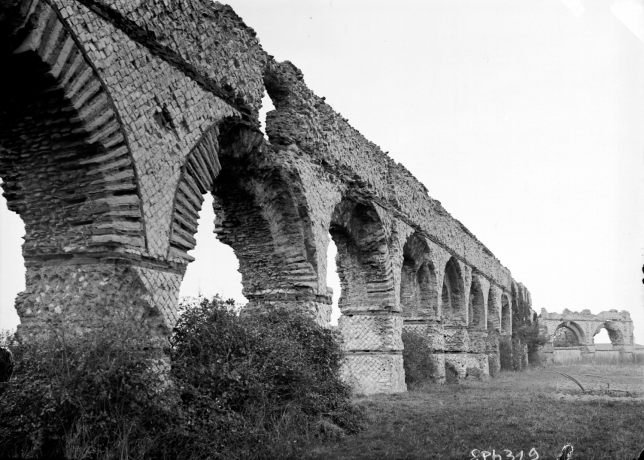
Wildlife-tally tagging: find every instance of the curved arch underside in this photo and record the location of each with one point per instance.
(363, 264)
(453, 293)
(260, 213)
(568, 335)
(64, 160)
(615, 333)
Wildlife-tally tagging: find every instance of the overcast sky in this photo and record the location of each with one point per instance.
(524, 119)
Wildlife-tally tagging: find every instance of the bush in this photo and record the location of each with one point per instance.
(519, 354)
(535, 339)
(505, 353)
(97, 392)
(242, 387)
(260, 367)
(451, 373)
(417, 360)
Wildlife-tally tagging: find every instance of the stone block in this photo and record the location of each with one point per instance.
(370, 373)
(456, 339)
(478, 341)
(370, 333)
(432, 332)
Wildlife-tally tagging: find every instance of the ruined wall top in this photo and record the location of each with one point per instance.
(586, 315)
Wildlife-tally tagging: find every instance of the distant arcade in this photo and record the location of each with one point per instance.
(582, 327)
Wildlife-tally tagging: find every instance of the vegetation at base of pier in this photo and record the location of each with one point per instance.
(242, 386)
(417, 359)
(518, 411)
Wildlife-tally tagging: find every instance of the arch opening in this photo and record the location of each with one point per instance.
(566, 336)
(418, 291)
(267, 106)
(452, 295)
(259, 213)
(215, 269)
(608, 334)
(12, 271)
(362, 263)
(333, 280)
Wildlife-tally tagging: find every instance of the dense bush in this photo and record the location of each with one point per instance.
(535, 339)
(260, 366)
(451, 373)
(519, 354)
(417, 359)
(505, 353)
(246, 386)
(74, 395)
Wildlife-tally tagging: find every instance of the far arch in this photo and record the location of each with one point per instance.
(575, 329)
(615, 334)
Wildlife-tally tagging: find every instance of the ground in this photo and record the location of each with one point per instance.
(520, 411)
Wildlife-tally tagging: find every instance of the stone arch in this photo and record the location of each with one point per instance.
(260, 213)
(575, 329)
(418, 283)
(370, 325)
(66, 166)
(506, 314)
(68, 171)
(363, 262)
(476, 305)
(615, 333)
(453, 293)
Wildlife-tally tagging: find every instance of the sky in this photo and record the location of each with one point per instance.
(524, 119)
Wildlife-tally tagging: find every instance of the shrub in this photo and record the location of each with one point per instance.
(519, 353)
(242, 387)
(97, 390)
(505, 353)
(474, 373)
(451, 373)
(535, 339)
(417, 360)
(493, 361)
(259, 366)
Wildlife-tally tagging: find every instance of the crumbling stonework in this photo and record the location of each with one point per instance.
(584, 326)
(118, 116)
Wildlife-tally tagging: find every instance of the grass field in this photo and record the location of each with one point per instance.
(519, 411)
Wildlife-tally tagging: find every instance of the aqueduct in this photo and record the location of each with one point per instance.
(584, 325)
(117, 116)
